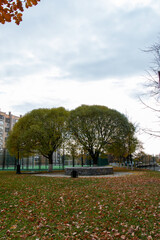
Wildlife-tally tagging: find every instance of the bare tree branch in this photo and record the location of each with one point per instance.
(147, 106)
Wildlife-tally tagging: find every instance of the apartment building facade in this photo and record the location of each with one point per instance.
(7, 122)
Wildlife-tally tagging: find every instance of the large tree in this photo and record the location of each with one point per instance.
(12, 9)
(39, 131)
(95, 127)
(125, 144)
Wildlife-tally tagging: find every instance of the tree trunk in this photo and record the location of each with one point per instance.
(127, 158)
(131, 160)
(50, 166)
(73, 162)
(94, 157)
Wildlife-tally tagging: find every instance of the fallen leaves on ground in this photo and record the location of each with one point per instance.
(33, 207)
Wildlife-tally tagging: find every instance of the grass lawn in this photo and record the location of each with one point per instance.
(33, 207)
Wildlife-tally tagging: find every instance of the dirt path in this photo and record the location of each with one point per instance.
(116, 174)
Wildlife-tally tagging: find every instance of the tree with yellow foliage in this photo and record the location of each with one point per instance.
(13, 9)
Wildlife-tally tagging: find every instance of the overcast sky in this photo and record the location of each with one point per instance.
(72, 52)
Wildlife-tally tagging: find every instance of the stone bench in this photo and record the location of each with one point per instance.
(89, 171)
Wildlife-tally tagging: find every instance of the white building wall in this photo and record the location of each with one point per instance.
(7, 122)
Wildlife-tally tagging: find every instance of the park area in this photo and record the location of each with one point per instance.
(34, 207)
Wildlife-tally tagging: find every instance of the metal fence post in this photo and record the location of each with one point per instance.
(4, 158)
(82, 160)
(18, 166)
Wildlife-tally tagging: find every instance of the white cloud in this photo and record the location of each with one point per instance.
(78, 52)
(129, 5)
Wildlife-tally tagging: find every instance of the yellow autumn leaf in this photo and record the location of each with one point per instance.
(13, 227)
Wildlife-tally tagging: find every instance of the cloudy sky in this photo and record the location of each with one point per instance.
(73, 52)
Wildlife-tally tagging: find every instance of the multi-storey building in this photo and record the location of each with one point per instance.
(7, 122)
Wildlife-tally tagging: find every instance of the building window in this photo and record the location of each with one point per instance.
(1, 117)
(6, 129)
(7, 120)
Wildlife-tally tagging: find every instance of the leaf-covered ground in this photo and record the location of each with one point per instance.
(33, 207)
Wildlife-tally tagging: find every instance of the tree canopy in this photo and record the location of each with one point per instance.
(96, 127)
(13, 9)
(125, 144)
(93, 129)
(39, 131)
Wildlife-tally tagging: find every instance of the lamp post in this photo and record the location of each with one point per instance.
(63, 159)
(159, 78)
(18, 165)
(82, 158)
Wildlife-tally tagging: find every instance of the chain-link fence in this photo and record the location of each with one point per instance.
(8, 162)
(40, 163)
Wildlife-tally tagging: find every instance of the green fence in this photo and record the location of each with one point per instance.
(39, 163)
(7, 161)
(103, 161)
